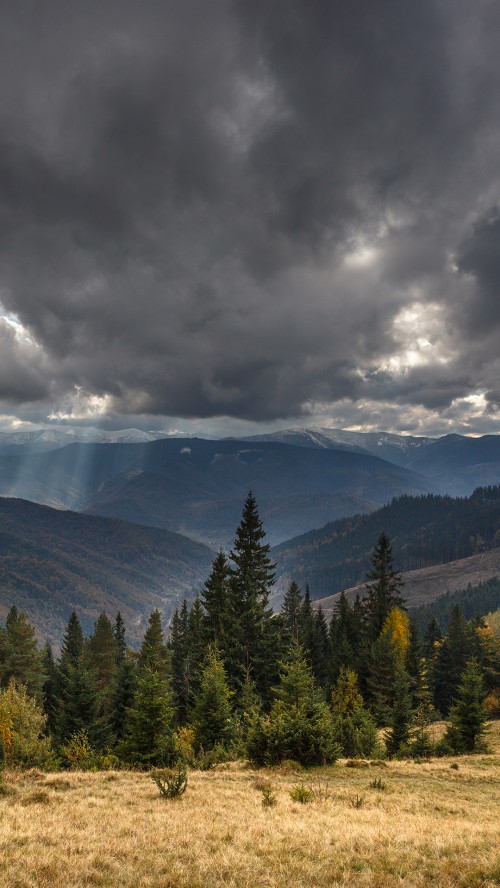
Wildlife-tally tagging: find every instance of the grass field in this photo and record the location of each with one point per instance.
(431, 824)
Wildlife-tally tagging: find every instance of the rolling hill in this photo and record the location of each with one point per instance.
(52, 561)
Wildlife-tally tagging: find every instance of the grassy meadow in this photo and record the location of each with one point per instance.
(429, 823)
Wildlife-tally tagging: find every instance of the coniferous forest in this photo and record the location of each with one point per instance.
(231, 679)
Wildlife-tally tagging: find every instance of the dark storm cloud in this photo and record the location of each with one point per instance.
(225, 208)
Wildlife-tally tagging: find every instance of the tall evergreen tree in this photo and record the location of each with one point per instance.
(153, 653)
(383, 589)
(291, 611)
(353, 727)
(149, 738)
(102, 653)
(49, 687)
(468, 713)
(215, 598)
(398, 736)
(181, 664)
(22, 660)
(320, 654)
(212, 706)
(253, 642)
(449, 663)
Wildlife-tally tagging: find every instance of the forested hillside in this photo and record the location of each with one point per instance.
(53, 561)
(424, 530)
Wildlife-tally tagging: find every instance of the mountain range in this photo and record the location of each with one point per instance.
(135, 517)
(197, 487)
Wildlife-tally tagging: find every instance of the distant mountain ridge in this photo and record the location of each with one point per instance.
(197, 487)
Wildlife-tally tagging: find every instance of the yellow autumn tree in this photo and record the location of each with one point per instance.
(397, 628)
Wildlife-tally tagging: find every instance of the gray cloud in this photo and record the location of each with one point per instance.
(232, 209)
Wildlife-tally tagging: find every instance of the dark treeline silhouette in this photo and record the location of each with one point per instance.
(235, 679)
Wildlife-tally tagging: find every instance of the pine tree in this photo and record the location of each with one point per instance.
(22, 660)
(102, 660)
(212, 706)
(421, 744)
(451, 657)
(149, 738)
(320, 654)
(432, 636)
(49, 689)
(77, 703)
(383, 589)
(397, 739)
(253, 643)
(341, 638)
(181, 675)
(381, 678)
(215, 598)
(468, 714)
(306, 622)
(299, 724)
(119, 636)
(291, 611)
(353, 727)
(153, 653)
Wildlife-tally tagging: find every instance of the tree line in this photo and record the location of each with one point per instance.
(235, 679)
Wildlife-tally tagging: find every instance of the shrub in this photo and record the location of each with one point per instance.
(171, 782)
(269, 799)
(302, 793)
(358, 801)
(22, 726)
(78, 753)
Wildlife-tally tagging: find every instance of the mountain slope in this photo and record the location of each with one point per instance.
(424, 531)
(53, 561)
(425, 585)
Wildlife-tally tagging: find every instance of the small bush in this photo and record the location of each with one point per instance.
(302, 793)
(454, 766)
(269, 799)
(78, 753)
(358, 801)
(171, 782)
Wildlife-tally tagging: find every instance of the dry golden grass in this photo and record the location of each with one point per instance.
(432, 824)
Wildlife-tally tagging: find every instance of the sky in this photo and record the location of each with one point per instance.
(220, 216)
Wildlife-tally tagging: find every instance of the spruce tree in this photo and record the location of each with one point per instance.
(299, 724)
(253, 641)
(320, 654)
(291, 612)
(148, 736)
(354, 728)
(215, 598)
(179, 661)
(49, 689)
(468, 714)
(449, 663)
(381, 678)
(22, 660)
(102, 658)
(212, 706)
(383, 589)
(397, 739)
(153, 653)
